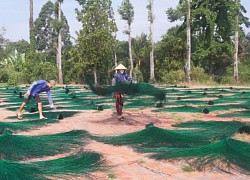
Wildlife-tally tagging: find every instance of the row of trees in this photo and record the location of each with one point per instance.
(209, 44)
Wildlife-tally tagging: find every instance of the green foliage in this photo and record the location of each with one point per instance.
(178, 13)
(187, 168)
(47, 27)
(96, 40)
(244, 74)
(4, 76)
(73, 72)
(140, 47)
(173, 77)
(199, 76)
(43, 28)
(137, 74)
(16, 69)
(170, 55)
(122, 51)
(21, 47)
(213, 24)
(127, 11)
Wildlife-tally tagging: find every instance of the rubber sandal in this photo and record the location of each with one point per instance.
(43, 118)
(120, 118)
(19, 117)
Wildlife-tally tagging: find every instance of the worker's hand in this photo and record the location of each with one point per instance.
(27, 94)
(52, 106)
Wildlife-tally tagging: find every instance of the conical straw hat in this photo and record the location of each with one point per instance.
(120, 66)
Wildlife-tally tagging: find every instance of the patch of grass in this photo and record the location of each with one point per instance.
(111, 176)
(242, 137)
(199, 115)
(140, 161)
(237, 119)
(162, 114)
(187, 168)
(177, 119)
(3, 84)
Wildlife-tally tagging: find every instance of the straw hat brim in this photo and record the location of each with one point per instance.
(120, 66)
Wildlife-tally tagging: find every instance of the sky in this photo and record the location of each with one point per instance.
(14, 17)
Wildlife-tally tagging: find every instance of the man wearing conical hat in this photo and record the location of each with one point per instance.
(120, 77)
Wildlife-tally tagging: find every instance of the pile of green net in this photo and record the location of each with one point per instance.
(204, 144)
(81, 163)
(16, 149)
(130, 89)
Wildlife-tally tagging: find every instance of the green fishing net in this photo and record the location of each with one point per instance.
(130, 89)
(225, 155)
(203, 143)
(81, 163)
(17, 147)
(24, 125)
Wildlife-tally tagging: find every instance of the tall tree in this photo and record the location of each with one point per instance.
(59, 45)
(126, 10)
(53, 36)
(3, 43)
(212, 27)
(238, 19)
(151, 18)
(97, 36)
(236, 41)
(31, 29)
(183, 12)
(188, 60)
(44, 28)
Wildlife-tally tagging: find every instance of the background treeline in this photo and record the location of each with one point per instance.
(96, 50)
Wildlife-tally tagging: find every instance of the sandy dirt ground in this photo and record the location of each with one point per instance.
(124, 163)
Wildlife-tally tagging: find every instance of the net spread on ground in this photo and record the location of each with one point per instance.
(204, 144)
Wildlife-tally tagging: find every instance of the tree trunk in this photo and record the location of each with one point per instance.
(115, 59)
(130, 51)
(59, 47)
(151, 19)
(95, 74)
(236, 47)
(31, 29)
(31, 21)
(188, 69)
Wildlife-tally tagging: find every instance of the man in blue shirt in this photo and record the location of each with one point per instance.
(33, 92)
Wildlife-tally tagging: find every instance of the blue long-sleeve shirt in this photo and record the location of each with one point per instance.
(40, 86)
(122, 77)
